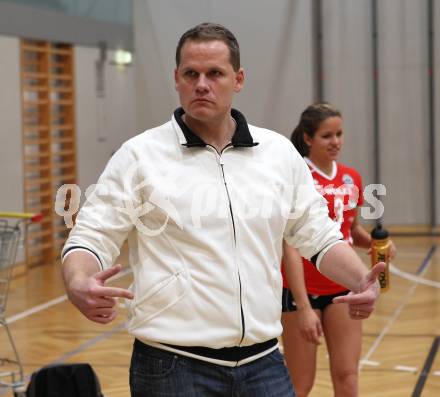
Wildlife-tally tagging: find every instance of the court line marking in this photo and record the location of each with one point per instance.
(413, 277)
(422, 269)
(371, 363)
(428, 258)
(55, 301)
(90, 343)
(426, 368)
(35, 309)
(405, 368)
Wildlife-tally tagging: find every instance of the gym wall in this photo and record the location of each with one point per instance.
(102, 124)
(276, 40)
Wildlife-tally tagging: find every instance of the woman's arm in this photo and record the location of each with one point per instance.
(361, 238)
(309, 322)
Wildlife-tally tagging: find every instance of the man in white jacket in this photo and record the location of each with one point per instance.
(205, 201)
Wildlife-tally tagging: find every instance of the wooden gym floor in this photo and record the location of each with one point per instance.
(399, 356)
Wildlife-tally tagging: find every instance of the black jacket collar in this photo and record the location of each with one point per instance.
(242, 136)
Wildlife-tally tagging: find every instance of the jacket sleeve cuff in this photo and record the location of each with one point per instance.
(69, 250)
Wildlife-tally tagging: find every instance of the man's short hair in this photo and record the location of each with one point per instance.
(212, 31)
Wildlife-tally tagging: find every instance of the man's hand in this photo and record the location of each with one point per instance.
(361, 304)
(93, 299)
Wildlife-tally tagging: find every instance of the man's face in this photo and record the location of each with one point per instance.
(206, 81)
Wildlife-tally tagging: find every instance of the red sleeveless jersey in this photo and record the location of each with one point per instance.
(343, 192)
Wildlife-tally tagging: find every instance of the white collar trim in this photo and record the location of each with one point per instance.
(320, 172)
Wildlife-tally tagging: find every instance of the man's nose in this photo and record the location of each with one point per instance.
(202, 84)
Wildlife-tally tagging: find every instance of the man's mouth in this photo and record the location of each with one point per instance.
(201, 100)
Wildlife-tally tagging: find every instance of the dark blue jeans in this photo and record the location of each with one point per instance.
(158, 373)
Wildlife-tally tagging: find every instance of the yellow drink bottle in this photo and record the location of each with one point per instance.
(380, 247)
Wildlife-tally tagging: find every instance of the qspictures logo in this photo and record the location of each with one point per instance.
(136, 198)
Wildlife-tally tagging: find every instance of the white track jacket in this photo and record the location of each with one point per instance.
(205, 231)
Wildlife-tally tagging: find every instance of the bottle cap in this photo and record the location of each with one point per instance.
(379, 233)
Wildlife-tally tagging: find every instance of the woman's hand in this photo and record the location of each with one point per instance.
(309, 325)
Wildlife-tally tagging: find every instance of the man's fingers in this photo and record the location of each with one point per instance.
(114, 292)
(106, 274)
(105, 301)
(340, 299)
(102, 312)
(367, 296)
(358, 299)
(110, 292)
(102, 319)
(361, 304)
(363, 298)
(375, 271)
(359, 314)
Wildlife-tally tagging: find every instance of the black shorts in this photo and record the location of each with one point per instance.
(319, 302)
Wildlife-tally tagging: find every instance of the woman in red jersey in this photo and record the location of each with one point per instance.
(308, 312)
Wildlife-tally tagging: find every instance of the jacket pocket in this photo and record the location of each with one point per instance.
(162, 296)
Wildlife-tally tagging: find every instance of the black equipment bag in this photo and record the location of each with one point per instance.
(65, 380)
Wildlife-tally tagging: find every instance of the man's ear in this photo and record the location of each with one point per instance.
(176, 77)
(239, 80)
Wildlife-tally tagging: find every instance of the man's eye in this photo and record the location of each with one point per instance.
(190, 73)
(215, 73)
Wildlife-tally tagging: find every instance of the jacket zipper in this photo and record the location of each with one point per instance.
(243, 327)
